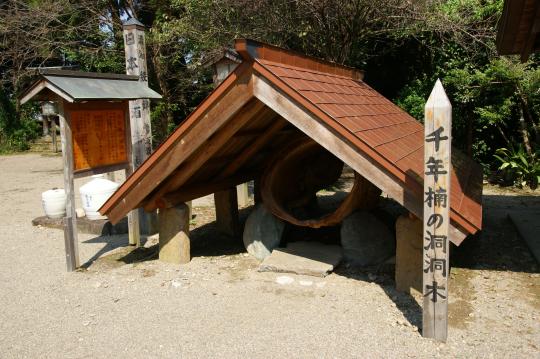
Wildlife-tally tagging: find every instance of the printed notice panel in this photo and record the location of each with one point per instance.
(99, 138)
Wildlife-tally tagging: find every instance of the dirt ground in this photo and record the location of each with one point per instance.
(125, 303)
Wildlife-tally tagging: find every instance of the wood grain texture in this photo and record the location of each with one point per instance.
(70, 220)
(229, 97)
(436, 251)
(204, 153)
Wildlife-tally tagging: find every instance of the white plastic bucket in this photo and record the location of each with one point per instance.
(94, 194)
(54, 203)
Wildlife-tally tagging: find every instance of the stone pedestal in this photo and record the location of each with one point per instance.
(174, 246)
(409, 253)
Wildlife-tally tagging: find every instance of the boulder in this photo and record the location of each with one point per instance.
(366, 240)
(262, 232)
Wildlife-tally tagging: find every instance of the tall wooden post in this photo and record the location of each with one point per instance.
(70, 220)
(141, 130)
(437, 174)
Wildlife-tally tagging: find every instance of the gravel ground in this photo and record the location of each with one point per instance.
(127, 304)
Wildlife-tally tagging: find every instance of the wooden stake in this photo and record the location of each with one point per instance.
(70, 220)
(437, 170)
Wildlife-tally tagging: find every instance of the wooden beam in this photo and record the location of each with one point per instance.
(213, 145)
(70, 220)
(254, 147)
(190, 192)
(312, 126)
(203, 123)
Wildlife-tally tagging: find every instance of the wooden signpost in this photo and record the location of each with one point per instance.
(141, 130)
(437, 170)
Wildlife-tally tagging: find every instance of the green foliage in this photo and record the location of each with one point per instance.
(517, 167)
(15, 135)
(404, 47)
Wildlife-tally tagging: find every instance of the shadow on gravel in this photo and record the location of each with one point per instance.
(498, 246)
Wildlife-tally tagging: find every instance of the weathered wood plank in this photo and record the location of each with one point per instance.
(70, 220)
(253, 147)
(436, 251)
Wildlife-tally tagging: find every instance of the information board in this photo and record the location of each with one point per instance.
(99, 138)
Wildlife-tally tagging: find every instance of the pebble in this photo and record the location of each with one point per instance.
(178, 284)
(284, 280)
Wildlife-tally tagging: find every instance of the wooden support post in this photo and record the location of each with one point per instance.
(437, 170)
(70, 220)
(141, 132)
(174, 246)
(45, 123)
(227, 212)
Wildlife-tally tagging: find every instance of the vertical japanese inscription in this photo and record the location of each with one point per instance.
(135, 50)
(437, 171)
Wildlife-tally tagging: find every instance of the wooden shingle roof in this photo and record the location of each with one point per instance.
(276, 95)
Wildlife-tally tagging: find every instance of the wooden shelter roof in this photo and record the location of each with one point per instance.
(518, 28)
(75, 86)
(273, 97)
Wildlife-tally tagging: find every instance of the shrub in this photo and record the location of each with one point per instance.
(517, 167)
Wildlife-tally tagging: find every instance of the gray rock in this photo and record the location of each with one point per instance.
(262, 232)
(305, 258)
(366, 240)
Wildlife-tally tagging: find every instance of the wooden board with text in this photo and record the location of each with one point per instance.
(99, 138)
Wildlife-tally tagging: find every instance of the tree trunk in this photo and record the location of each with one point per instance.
(470, 132)
(525, 135)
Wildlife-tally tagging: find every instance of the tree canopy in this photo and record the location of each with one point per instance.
(403, 46)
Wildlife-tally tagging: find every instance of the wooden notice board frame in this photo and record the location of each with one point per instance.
(89, 157)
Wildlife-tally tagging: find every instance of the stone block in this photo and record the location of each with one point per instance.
(409, 254)
(304, 258)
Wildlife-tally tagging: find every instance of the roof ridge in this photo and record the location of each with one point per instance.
(255, 50)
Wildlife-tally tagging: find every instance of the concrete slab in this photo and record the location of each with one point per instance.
(100, 227)
(527, 223)
(304, 258)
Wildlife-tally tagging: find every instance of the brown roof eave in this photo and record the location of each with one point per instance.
(379, 161)
(146, 167)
